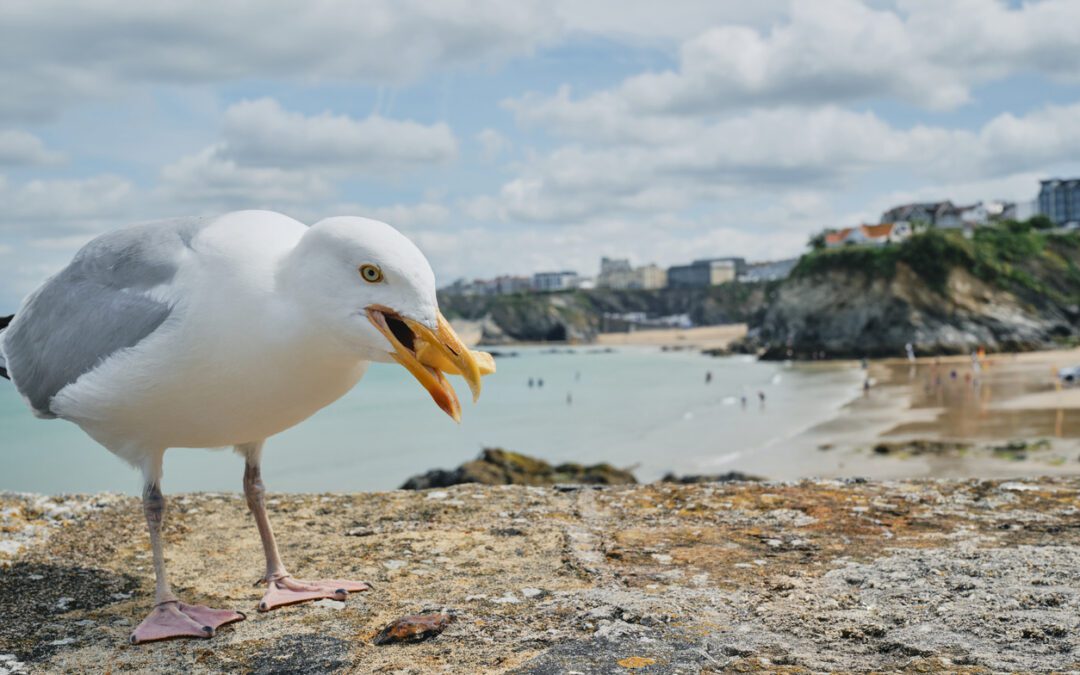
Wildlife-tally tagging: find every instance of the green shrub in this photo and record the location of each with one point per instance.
(1020, 256)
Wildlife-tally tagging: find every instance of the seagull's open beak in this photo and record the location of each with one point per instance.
(428, 354)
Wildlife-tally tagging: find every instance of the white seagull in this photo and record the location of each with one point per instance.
(214, 332)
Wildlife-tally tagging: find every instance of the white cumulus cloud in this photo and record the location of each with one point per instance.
(56, 54)
(262, 133)
(20, 148)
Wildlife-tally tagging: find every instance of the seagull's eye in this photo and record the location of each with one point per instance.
(371, 273)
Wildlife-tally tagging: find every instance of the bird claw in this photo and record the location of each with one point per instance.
(175, 619)
(286, 590)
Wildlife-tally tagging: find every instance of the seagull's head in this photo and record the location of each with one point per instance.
(369, 286)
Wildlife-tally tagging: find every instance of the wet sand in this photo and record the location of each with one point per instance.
(943, 418)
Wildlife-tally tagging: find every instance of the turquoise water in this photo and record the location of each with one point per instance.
(636, 407)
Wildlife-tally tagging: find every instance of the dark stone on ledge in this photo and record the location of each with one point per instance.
(496, 466)
(729, 477)
(414, 628)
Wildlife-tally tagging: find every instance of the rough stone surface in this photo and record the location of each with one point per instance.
(816, 576)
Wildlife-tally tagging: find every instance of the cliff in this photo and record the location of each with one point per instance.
(578, 315)
(1005, 289)
(973, 576)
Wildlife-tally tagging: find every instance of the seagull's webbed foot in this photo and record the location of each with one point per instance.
(285, 590)
(175, 619)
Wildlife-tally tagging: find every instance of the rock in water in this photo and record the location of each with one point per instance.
(496, 466)
(414, 628)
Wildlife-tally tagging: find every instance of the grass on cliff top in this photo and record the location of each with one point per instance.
(1017, 256)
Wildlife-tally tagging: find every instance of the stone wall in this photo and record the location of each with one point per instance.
(972, 576)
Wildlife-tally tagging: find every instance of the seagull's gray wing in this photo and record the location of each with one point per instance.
(4, 321)
(95, 306)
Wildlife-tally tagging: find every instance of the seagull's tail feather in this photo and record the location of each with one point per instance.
(4, 321)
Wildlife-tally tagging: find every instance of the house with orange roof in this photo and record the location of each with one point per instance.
(875, 235)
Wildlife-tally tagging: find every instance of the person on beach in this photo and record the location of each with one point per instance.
(708, 376)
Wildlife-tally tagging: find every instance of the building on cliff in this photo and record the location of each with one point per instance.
(549, 282)
(1059, 200)
(775, 270)
(705, 272)
(617, 273)
(940, 214)
(874, 235)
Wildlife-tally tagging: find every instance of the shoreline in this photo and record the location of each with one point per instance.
(941, 417)
(700, 337)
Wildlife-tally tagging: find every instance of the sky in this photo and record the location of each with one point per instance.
(516, 137)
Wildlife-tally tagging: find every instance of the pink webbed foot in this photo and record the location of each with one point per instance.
(285, 590)
(175, 619)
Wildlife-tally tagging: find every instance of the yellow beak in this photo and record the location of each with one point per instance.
(428, 354)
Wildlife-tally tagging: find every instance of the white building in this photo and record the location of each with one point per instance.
(549, 282)
(617, 273)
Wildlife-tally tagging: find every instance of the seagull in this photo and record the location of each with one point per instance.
(223, 331)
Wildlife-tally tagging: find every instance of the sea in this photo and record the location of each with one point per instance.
(634, 407)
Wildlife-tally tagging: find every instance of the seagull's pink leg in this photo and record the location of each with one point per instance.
(171, 618)
(282, 588)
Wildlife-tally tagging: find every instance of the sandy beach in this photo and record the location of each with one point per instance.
(949, 417)
(704, 337)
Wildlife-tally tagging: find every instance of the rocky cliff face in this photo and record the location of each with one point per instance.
(849, 314)
(578, 315)
(942, 305)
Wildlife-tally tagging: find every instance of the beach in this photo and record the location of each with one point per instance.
(703, 337)
(943, 417)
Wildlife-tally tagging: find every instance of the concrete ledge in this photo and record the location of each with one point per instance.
(973, 576)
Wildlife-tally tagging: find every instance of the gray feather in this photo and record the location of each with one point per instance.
(94, 307)
(4, 321)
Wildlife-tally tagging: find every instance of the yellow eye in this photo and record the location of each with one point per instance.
(371, 273)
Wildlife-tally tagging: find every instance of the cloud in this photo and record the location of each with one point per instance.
(262, 133)
(68, 243)
(20, 148)
(640, 20)
(836, 51)
(211, 177)
(492, 144)
(269, 157)
(56, 54)
(776, 151)
(64, 204)
(401, 216)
